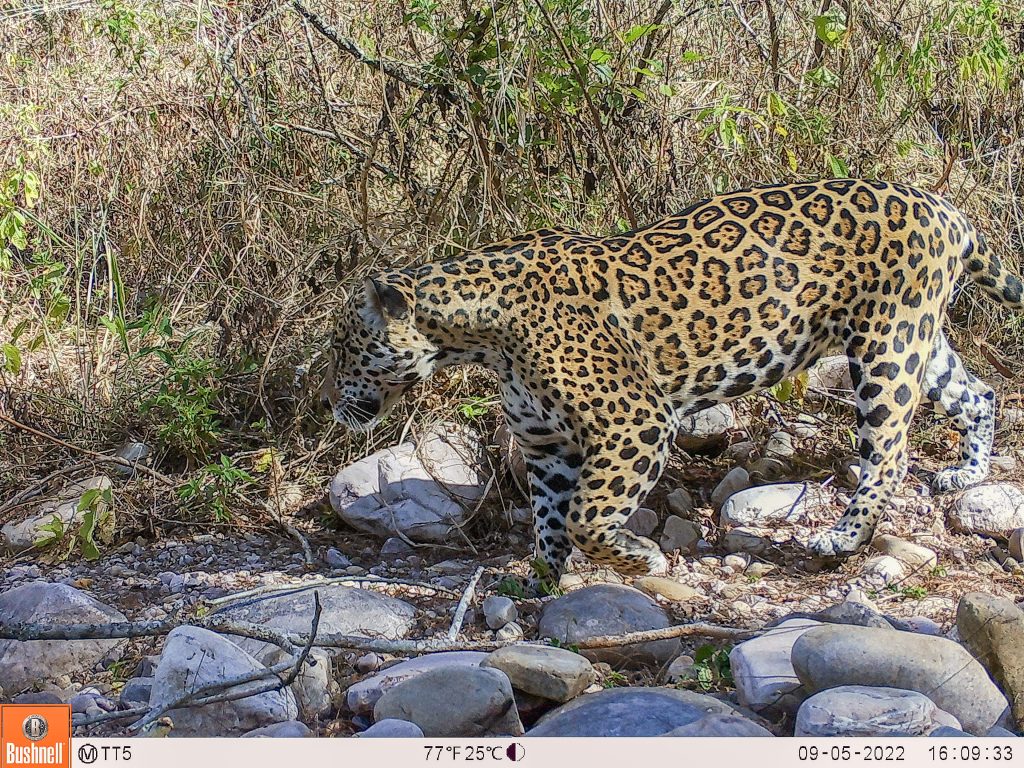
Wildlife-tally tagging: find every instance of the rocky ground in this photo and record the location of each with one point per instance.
(921, 635)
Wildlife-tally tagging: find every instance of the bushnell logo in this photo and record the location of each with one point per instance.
(35, 728)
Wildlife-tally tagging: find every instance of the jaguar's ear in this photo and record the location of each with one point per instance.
(383, 303)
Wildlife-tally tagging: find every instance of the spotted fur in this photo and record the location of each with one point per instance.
(602, 345)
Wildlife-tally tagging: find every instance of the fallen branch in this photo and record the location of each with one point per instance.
(291, 642)
(419, 647)
(463, 606)
(92, 454)
(304, 586)
(118, 630)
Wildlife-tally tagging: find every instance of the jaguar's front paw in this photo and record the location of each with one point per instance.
(835, 542)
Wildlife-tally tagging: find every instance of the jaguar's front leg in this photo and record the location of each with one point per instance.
(614, 479)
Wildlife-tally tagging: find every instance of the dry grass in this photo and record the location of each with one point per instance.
(211, 176)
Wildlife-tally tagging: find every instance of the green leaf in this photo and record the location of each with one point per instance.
(836, 166)
(12, 358)
(830, 27)
(18, 330)
(703, 654)
(640, 30)
(85, 536)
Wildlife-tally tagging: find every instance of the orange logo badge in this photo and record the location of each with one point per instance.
(35, 736)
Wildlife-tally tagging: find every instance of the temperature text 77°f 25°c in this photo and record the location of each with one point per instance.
(511, 752)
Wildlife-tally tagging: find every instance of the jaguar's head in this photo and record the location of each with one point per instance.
(376, 354)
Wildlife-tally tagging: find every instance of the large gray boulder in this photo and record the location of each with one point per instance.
(629, 712)
(993, 628)
(193, 657)
(835, 655)
(857, 710)
(419, 490)
(609, 609)
(23, 664)
(362, 696)
(461, 701)
(344, 610)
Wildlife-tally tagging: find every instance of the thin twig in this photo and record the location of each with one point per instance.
(303, 586)
(463, 606)
(34, 490)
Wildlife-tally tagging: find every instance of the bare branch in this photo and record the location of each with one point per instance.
(463, 606)
(397, 70)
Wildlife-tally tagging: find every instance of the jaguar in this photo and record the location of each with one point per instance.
(602, 345)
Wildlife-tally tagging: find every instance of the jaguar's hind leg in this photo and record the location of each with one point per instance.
(888, 387)
(614, 479)
(971, 404)
(553, 480)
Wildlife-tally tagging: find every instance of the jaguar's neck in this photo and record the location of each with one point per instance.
(457, 310)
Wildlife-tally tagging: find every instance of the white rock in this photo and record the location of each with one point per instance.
(738, 563)
(885, 568)
(829, 373)
(315, 688)
(916, 557)
(420, 491)
(765, 505)
(193, 657)
(23, 535)
(761, 668)
(1004, 463)
(857, 710)
(780, 446)
(707, 429)
(510, 632)
(995, 509)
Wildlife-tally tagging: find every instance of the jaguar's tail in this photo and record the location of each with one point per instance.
(985, 268)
